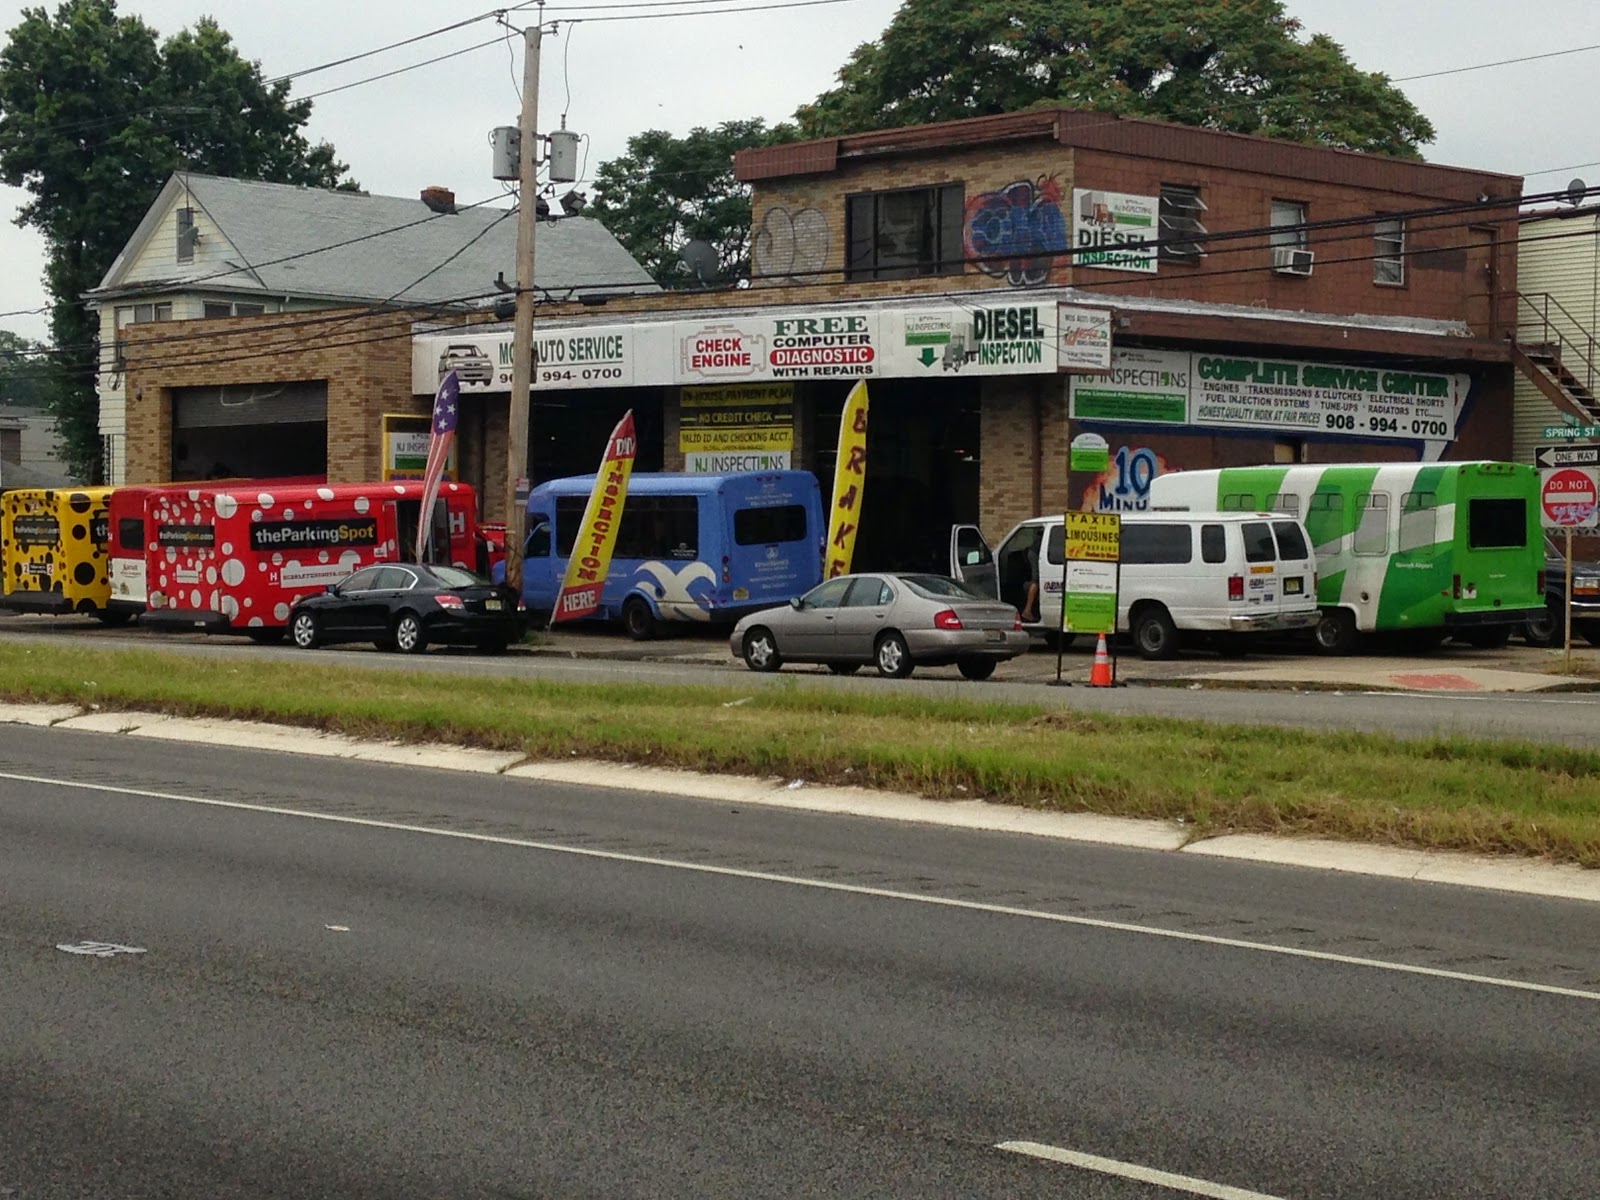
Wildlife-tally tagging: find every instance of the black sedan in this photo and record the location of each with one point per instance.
(407, 607)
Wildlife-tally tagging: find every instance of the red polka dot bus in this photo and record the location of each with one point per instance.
(235, 557)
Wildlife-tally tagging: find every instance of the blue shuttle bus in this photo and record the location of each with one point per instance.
(704, 548)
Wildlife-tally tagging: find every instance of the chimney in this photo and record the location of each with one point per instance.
(440, 199)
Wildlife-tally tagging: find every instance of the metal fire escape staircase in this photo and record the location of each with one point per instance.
(1557, 354)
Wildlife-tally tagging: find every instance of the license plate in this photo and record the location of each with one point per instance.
(994, 635)
(1292, 585)
(492, 605)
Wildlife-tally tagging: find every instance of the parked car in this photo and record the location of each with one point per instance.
(470, 364)
(1549, 627)
(408, 607)
(898, 622)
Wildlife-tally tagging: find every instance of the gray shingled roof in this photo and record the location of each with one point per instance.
(273, 226)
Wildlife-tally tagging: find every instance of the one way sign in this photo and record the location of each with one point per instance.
(1567, 456)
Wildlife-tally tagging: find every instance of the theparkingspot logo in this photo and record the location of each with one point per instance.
(293, 535)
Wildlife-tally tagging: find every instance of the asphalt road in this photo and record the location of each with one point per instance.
(1562, 718)
(411, 984)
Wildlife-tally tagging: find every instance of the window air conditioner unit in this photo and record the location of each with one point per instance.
(1291, 260)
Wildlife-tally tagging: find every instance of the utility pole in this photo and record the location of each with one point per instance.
(522, 340)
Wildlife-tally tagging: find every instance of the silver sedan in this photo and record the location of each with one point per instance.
(897, 622)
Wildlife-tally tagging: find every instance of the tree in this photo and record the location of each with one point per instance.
(1234, 65)
(667, 191)
(21, 371)
(95, 114)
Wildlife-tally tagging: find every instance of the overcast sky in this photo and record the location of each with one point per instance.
(614, 78)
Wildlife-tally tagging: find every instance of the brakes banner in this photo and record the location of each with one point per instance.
(597, 533)
(849, 481)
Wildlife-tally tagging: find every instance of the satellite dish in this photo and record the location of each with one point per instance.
(1576, 191)
(700, 256)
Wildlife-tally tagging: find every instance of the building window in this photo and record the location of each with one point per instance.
(1181, 224)
(1288, 224)
(897, 235)
(188, 235)
(221, 308)
(136, 314)
(1389, 252)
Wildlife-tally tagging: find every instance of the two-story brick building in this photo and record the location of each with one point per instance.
(1008, 283)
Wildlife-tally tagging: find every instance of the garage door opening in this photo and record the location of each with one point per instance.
(250, 431)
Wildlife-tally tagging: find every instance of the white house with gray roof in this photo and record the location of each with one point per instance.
(215, 247)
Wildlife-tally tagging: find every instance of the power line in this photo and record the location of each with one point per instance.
(1504, 62)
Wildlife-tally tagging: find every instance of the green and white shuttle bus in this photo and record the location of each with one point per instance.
(1432, 548)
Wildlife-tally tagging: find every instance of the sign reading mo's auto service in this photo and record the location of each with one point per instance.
(790, 344)
(736, 427)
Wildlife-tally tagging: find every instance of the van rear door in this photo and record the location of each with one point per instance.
(971, 559)
(1263, 589)
(1297, 566)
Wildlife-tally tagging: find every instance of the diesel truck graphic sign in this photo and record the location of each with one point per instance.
(316, 535)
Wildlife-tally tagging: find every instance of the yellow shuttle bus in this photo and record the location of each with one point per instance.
(53, 551)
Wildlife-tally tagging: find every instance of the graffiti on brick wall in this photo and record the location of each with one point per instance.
(1124, 486)
(1013, 233)
(790, 245)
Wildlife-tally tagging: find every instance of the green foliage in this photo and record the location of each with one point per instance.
(22, 371)
(667, 191)
(1234, 65)
(95, 114)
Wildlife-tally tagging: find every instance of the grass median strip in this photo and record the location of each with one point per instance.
(1509, 797)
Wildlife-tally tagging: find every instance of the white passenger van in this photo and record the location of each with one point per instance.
(1221, 575)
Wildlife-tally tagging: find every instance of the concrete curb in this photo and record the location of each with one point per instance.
(1518, 875)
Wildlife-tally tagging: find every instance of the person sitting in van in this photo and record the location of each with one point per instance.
(1019, 572)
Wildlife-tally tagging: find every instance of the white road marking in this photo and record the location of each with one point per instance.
(828, 885)
(99, 949)
(1127, 1170)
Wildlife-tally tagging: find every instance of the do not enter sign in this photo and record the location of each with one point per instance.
(1569, 496)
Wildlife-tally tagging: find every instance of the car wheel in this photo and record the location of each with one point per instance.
(975, 668)
(637, 619)
(1154, 635)
(1493, 637)
(113, 616)
(893, 656)
(265, 637)
(1547, 629)
(1056, 639)
(409, 637)
(1589, 631)
(1335, 633)
(303, 629)
(843, 668)
(761, 651)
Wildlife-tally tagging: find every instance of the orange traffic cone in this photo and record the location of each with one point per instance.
(1100, 674)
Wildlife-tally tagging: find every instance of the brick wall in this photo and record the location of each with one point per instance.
(363, 357)
(800, 244)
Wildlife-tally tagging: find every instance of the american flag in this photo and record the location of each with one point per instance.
(440, 438)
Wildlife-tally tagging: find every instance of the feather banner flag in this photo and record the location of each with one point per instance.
(849, 481)
(441, 435)
(597, 532)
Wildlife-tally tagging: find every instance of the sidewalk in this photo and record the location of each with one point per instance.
(1451, 668)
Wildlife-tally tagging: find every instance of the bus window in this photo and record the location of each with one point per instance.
(1286, 502)
(769, 526)
(1497, 524)
(652, 527)
(130, 533)
(1238, 502)
(538, 543)
(1417, 528)
(1372, 534)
